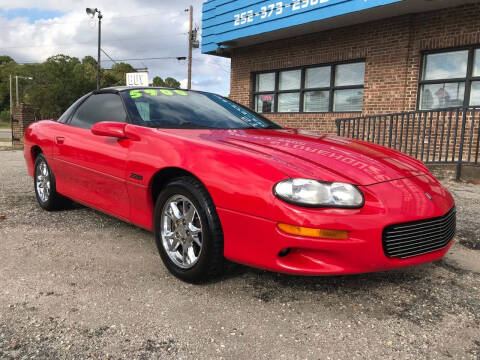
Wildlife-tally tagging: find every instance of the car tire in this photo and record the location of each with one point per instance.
(44, 184)
(204, 260)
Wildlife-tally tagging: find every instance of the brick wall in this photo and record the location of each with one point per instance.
(392, 49)
(23, 115)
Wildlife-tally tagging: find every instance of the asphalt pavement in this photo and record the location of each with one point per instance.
(79, 284)
(5, 134)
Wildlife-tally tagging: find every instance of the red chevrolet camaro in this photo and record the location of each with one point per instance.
(215, 181)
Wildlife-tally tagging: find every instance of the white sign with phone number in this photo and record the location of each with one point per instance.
(274, 9)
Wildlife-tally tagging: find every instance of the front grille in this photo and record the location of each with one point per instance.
(419, 237)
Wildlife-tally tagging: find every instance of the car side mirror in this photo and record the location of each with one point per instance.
(109, 128)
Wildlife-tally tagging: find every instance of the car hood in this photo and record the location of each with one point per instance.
(324, 157)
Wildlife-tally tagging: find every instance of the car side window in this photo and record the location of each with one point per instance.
(68, 113)
(97, 108)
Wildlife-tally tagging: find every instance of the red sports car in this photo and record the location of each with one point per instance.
(215, 181)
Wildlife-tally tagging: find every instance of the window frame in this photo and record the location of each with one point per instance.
(302, 90)
(467, 80)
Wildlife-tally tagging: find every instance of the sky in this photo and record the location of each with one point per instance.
(33, 30)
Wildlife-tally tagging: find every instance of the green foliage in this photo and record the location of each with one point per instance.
(7, 67)
(116, 75)
(172, 83)
(5, 116)
(168, 82)
(6, 60)
(59, 81)
(158, 81)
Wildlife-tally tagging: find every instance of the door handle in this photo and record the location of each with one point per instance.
(59, 140)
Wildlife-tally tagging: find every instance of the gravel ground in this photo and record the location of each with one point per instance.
(79, 284)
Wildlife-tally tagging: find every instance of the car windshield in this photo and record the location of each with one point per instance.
(181, 109)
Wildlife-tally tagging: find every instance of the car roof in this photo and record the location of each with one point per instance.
(117, 89)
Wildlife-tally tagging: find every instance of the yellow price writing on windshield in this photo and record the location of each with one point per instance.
(134, 94)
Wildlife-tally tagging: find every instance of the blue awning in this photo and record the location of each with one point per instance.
(246, 22)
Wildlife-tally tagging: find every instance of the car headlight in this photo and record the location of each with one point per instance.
(313, 193)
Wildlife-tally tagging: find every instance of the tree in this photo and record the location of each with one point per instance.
(8, 67)
(172, 83)
(5, 59)
(60, 81)
(158, 81)
(168, 82)
(89, 60)
(116, 75)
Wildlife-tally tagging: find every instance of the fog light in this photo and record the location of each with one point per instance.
(315, 233)
(284, 252)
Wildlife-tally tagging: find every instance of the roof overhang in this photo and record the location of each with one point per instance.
(219, 43)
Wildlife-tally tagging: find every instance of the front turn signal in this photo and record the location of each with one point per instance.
(314, 233)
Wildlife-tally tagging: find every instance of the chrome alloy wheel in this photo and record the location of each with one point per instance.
(181, 231)
(43, 184)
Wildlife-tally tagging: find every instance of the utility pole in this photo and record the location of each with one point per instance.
(16, 90)
(91, 12)
(17, 97)
(11, 108)
(190, 48)
(11, 96)
(99, 42)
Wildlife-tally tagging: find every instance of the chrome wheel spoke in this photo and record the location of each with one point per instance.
(191, 255)
(193, 229)
(181, 231)
(174, 245)
(169, 235)
(196, 240)
(175, 211)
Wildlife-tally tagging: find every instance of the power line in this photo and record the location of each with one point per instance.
(113, 60)
(108, 55)
(84, 42)
(144, 59)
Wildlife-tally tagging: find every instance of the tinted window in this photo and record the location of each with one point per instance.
(350, 74)
(328, 88)
(348, 100)
(288, 102)
(264, 103)
(68, 113)
(442, 95)
(290, 80)
(449, 65)
(436, 87)
(164, 108)
(266, 82)
(317, 77)
(476, 63)
(100, 107)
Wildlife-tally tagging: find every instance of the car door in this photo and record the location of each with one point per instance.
(91, 168)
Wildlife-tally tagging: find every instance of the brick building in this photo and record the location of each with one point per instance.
(306, 63)
(22, 116)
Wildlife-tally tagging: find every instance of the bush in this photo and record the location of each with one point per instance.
(5, 116)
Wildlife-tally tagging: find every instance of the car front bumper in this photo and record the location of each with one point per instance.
(258, 242)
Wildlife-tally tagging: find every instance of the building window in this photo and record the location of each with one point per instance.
(450, 79)
(326, 88)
